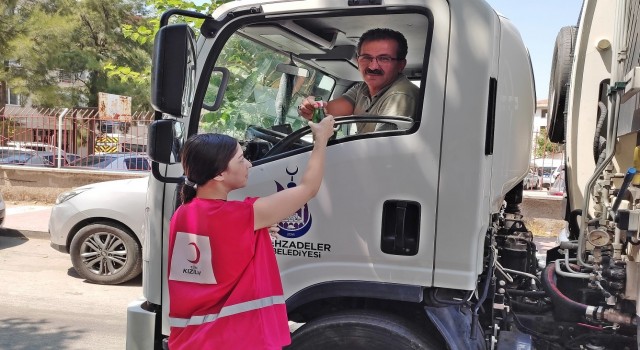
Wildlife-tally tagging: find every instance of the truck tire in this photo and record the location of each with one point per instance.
(106, 253)
(359, 329)
(559, 83)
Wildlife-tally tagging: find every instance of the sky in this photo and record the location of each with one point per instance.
(539, 22)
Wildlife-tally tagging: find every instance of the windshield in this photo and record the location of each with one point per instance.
(15, 158)
(97, 161)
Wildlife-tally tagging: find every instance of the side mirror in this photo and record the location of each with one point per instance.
(173, 69)
(164, 143)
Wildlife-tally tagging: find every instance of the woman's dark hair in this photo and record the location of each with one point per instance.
(205, 156)
(386, 34)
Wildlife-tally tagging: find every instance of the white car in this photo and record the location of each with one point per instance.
(114, 161)
(2, 210)
(22, 156)
(101, 227)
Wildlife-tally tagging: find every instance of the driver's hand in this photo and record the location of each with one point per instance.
(306, 107)
(324, 130)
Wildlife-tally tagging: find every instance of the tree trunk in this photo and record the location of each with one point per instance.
(3, 94)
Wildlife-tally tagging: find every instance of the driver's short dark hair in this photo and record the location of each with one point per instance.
(386, 34)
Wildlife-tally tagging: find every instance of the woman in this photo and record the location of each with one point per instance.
(224, 285)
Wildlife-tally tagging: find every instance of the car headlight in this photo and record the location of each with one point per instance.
(65, 196)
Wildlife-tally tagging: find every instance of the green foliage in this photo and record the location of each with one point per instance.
(77, 39)
(144, 34)
(544, 147)
(105, 45)
(9, 26)
(141, 34)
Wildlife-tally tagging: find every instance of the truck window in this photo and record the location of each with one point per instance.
(252, 97)
(273, 68)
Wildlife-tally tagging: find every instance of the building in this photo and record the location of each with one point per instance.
(540, 119)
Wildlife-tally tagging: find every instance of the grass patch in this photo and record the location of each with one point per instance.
(544, 227)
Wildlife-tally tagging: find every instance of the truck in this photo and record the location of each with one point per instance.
(416, 238)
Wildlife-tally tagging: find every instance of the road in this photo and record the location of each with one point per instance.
(45, 305)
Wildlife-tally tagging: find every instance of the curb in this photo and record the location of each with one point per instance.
(9, 232)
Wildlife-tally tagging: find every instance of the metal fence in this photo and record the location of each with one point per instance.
(543, 150)
(546, 162)
(77, 137)
(73, 137)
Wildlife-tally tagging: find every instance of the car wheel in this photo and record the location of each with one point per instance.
(106, 253)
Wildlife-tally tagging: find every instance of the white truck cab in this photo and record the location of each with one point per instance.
(410, 221)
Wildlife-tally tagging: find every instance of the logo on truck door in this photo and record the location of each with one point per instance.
(299, 222)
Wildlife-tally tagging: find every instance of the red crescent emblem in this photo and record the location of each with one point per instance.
(197, 259)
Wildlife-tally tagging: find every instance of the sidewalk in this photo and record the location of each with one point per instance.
(31, 221)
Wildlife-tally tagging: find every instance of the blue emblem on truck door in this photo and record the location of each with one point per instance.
(298, 223)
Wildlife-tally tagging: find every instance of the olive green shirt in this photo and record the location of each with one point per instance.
(397, 99)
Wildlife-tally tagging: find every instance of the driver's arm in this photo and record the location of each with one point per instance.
(338, 107)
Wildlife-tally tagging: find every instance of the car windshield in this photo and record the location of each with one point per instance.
(548, 170)
(15, 158)
(7, 152)
(96, 161)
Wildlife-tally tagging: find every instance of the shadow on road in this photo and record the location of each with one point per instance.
(23, 334)
(136, 282)
(11, 241)
(72, 272)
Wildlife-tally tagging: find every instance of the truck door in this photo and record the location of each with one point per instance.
(373, 221)
(374, 217)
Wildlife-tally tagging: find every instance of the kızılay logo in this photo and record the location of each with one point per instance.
(197, 259)
(299, 222)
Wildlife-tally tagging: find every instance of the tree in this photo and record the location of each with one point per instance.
(543, 146)
(78, 38)
(104, 45)
(144, 34)
(9, 28)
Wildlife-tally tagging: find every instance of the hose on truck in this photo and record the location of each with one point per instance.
(599, 142)
(483, 296)
(565, 308)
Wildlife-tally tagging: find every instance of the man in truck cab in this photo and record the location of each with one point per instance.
(385, 91)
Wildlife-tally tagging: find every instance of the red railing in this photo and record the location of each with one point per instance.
(62, 136)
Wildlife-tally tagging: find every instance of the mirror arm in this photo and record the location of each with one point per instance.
(164, 19)
(155, 170)
(221, 89)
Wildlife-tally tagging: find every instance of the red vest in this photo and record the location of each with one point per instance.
(224, 285)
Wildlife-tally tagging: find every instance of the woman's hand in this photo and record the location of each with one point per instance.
(273, 231)
(324, 130)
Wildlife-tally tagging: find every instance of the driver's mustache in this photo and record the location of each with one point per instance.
(373, 71)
